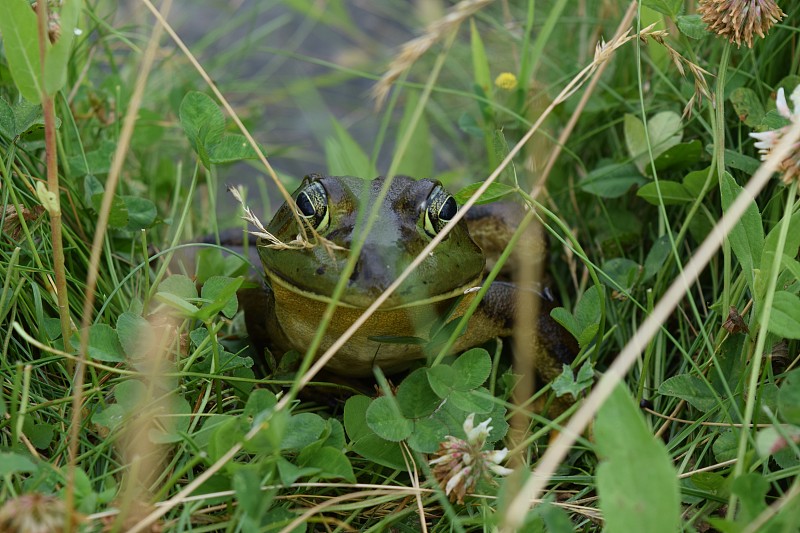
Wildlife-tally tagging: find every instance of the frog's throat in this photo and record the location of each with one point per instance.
(465, 289)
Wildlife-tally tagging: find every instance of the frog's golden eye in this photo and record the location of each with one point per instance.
(441, 208)
(312, 205)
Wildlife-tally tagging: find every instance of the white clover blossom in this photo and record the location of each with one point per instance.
(766, 141)
(460, 463)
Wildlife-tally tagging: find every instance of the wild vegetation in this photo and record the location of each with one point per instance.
(655, 143)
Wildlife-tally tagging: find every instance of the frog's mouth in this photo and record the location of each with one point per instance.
(362, 300)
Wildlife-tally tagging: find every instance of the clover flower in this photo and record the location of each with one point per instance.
(768, 140)
(460, 464)
(738, 20)
(33, 513)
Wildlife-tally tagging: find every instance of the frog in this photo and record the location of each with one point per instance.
(301, 275)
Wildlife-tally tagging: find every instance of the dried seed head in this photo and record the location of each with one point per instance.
(33, 513)
(738, 20)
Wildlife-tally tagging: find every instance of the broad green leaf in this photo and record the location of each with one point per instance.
(134, 333)
(427, 434)
(231, 147)
(247, 485)
(185, 308)
(15, 463)
(664, 131)
(690, 388)
(747, 106)
(746, 237)
(680, 155)
(692, 26)
(656, 257)
(219, 293)
(668, 192)
(171, 421)
(494, 192)
(478, 401)
(566, 319)
(8, 122)
(203, 122)
(141, 212)
(751, 488)
(612, 181)
(386, 420)
(696, 181)
(621, 273)
(18, 28)
(770, 249)
(415, 396)
(567, 383)
(111, 417)
(785, 318)
(179, 285)
(472, 369)
(417, 159)
(789, 398)
(364, 441)
(332, 464)
(104, 344)
(118, 216)
(629, 500)
(55, 75)
(726, 446)
(344, 155)
(301, 430)
(670, 8)
(225, 436)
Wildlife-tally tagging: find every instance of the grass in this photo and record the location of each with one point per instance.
(175, 427)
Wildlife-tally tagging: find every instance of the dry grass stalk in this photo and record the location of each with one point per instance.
(416, 48)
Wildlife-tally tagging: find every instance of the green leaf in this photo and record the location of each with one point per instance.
(670, 8)
(230, 148)
(332, 464)
(302, 429)
(671, 193)
(748, 106)
(696, 181)
(567, 383)
(768, 254)
(622, 273)
(8, 122)
(104, 344)
(478, 401)
(751, 488)
(480, 63)
(418, 157)
(364, 441)
(789, 398)
(134, 332)
(746, 237)
(18, 26)
(172, 421)
(111, 417)
(472, 368)
(726, 446)
(55, 75)
(785, 318)
(141, 213)
(415, 396)
(493, 193)
(587, 313)
(180, 286)
(692, 26)
(680, 155)
(664, 131)
(118, 216)
(629, 500)
(203, 122)
(612, 181)
(219, 293)
(690, 388)
(385, 419)
(15, 463)
(247, 485)
(344, 155)
(656, 257)
(427, 434)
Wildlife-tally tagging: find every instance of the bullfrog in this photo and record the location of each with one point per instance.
(300, 280)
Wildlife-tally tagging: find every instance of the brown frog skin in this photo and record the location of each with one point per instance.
(286, 313)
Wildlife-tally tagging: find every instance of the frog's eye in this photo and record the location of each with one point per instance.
(312, 205)
(441, 208)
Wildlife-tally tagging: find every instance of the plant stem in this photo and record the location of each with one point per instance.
(719, 160)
